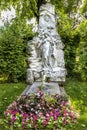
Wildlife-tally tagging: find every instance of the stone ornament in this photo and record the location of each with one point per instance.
(46, 55)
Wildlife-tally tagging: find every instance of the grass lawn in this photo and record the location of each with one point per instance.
(75, 89)
(9, 93)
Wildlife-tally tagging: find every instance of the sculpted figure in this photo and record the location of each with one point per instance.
(45, 51)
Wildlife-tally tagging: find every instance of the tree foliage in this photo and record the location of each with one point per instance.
(14, 38)
(24, 8)
(81, 63)
(70, 39)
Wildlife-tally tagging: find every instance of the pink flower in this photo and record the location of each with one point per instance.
(51, 114)
(14, 112)
(24, 115)
(47, 114)
(23, 123)
(55, 117)
(23, 127)
(65, 112)
(13, 118)
(57, 113)
(45, 122)
(31, 114)
(64, 103)
(64, 121)
(11, 123)
(47, 119)
(35, 117)
(14, 104)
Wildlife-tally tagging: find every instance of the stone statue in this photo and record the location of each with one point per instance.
(45, 51)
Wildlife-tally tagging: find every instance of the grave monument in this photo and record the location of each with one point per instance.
(46, 55)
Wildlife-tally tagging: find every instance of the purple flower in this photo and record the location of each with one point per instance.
(13, 118)
(35, 117)
(55, 117)
(57, 112)
(64, 121)
(24, 115)
(23, 127)
(45, 122)
(51, 114)
(14, 112)
(64, 103)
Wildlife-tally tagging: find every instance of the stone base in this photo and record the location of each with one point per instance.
(57, 74)
(49, 88)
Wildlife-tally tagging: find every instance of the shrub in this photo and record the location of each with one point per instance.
(81, 61)
(13, 42)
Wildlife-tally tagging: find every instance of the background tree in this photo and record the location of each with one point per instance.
(67, 24)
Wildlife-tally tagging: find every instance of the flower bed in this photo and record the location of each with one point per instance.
(39, 111)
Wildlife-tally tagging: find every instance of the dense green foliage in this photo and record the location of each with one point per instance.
(13, 42)
(70, 39)
(81, 62)
(73, 34)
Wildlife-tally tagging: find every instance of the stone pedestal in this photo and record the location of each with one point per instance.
(49, 88)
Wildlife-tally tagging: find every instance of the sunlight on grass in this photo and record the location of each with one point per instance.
(78, 91)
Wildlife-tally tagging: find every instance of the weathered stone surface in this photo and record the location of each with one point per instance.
(46, 49)
(63, 92)
(30, 77)
(50, 88)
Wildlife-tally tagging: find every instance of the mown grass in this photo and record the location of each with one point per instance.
(77, 91)
(8, 93)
